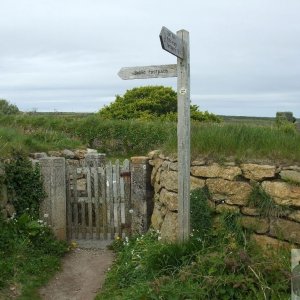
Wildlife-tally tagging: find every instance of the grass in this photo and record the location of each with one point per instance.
(128, 138)
(29, 257)
(216, 263)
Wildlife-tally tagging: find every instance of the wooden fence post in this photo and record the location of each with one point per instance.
(53, 208)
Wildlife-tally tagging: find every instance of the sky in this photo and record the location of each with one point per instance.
(64, 55)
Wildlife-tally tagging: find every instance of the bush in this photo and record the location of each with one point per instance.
(149, 103)
(24, 182)
(8, 109)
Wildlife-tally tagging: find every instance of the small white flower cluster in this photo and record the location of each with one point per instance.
(126, 241)
(43, 223)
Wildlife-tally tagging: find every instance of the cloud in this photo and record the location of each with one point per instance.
(62, 52)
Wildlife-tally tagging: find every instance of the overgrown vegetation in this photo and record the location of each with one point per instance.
(7, 108)
(218, 262)
(150, 103)
(265, 205)
(119, 138)
(29, 252)
(25, 184)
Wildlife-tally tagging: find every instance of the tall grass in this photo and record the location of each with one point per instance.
(132, 137)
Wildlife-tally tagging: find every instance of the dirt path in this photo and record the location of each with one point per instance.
(82, 275)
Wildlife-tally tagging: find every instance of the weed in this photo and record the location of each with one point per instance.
(266, 206)
(217, 263)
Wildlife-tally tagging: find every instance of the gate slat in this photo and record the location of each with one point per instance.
(97, 200)
(109, 188)
(115, 199)
(89, 203)
(69, 205)
(75, 205)
(81, 201)
(118, 198)
(103, 202)
(127, 196)
(122, 202)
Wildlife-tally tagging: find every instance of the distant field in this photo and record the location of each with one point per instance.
(241, 137)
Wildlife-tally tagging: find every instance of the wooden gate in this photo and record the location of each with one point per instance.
(98, 201)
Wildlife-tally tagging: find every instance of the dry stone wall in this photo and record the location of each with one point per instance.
(230, 185)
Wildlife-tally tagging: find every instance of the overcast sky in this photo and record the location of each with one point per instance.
(64, 55)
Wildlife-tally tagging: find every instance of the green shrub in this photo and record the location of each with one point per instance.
(201, 213)
(25, 184)
(8, 109)
(29, 253)
(149, 103)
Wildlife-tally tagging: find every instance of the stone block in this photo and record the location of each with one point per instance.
(39, 155)
(80, 153)
(157, 217)
(294, 216)
(258, 172)
(55, 153)
(283, 193)
(259, 225)
(196, 183)
(216, 171)
(154, 154)
(222, 208)
(169, 199)
(235, 192)
(169, 228)
(290, 175)
(250, 211)
(68, 154)
(268, 243)
(285, 230)
(169, 180)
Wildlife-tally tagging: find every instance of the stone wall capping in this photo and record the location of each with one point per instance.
(161, 156)
(38, 155)
(68, 154)
(216, 171)
(198, 162)
(55, 153)
(154, 154)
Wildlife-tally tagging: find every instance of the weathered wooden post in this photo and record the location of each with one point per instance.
(178, 45)
(183, 137)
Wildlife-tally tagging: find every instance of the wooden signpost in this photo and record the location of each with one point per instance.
(178, 45)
